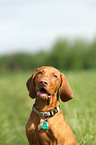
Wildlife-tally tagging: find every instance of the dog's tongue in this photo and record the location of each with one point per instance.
(42, 94)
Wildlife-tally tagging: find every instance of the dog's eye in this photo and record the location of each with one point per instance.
(41, 73)
(55, 76)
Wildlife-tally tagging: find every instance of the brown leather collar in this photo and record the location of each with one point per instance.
(47, 114)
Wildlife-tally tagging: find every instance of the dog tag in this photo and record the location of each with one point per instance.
(44, 125)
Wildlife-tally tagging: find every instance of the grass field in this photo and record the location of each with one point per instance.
(15, 107)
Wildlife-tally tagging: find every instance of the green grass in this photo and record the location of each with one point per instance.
(15, 107)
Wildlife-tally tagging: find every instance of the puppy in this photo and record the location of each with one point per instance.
(46, 124)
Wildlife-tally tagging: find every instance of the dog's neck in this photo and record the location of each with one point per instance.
(46, 105)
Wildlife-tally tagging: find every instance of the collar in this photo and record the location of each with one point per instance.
(47, 114)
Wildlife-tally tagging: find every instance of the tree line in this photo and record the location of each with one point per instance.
(64, 54)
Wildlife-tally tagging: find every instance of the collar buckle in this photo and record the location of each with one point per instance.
(46, 114)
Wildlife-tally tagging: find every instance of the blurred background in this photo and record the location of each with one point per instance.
(59, 33)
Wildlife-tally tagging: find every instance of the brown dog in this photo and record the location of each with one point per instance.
(46, 124)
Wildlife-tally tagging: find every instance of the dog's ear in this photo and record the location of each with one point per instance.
(31, 87)
(65, 90)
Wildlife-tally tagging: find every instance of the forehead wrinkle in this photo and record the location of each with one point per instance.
(48, 70)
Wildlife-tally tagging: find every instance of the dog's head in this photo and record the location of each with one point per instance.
(46, 81)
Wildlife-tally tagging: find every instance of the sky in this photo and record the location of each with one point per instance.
(34, 25)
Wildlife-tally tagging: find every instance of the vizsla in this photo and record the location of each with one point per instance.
(46, 124)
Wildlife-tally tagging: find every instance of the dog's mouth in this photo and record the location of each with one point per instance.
(43, 93)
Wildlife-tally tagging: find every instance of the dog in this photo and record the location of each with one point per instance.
(46, 124)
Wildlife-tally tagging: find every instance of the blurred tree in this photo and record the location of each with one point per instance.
(64, 55)
(59, 54)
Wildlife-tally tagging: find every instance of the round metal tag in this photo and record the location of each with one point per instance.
(44, 125)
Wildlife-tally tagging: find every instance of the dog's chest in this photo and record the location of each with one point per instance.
(53, 135)
(43, 136)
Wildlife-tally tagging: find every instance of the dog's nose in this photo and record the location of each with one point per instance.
(43, 82)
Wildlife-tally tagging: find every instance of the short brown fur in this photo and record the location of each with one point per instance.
(58, 132)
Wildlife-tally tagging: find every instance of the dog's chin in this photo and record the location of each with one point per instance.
(43, 95)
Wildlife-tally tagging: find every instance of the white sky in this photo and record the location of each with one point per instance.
(33, 25)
